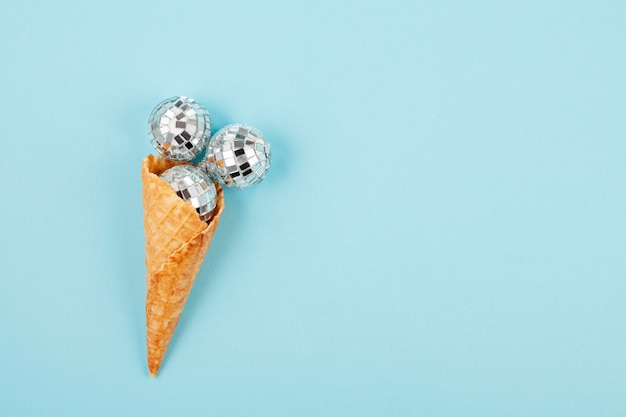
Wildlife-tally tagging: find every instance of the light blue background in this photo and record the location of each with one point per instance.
(442, 232)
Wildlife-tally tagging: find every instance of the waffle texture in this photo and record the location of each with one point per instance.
(176, 243)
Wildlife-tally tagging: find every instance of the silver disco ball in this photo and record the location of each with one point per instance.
(192, 184)
(238, 156)
(179, 128)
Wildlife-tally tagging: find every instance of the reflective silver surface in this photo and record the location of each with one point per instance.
(179, 128)
(237, 156)
(193, 184)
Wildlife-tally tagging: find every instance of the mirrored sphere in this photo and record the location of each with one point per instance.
(193, 185)
(179, 128)
(238, 156)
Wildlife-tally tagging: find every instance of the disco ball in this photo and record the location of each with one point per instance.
(179, 128)
(192, 184)
(237, 156)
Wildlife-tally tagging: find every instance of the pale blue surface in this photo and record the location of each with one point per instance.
(442, 232)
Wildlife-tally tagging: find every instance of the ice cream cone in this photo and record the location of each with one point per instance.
(176, 242)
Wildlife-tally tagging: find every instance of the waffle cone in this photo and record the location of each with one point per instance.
(176, 242)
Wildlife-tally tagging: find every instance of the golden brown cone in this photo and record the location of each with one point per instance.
(176, 242)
